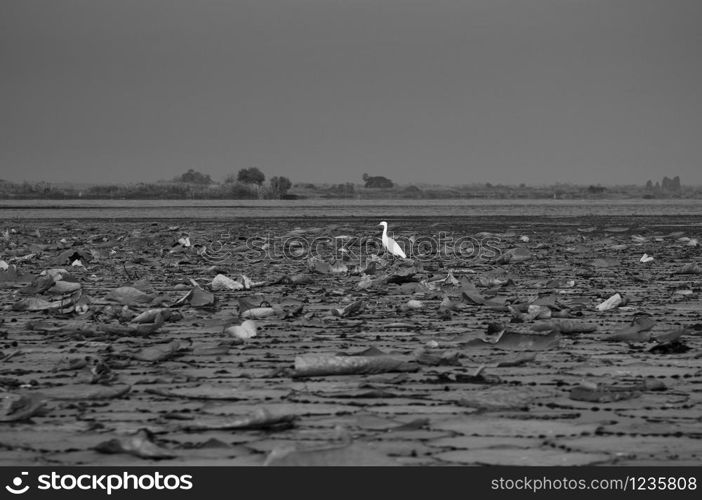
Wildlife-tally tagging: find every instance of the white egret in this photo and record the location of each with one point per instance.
(390, 244)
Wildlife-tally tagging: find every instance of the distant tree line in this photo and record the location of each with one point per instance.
(671, 185)
(250, 183)
(246, 183)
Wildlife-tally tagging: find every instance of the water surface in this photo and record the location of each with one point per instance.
(229, 209)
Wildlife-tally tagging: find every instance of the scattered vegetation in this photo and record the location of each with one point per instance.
(250, 183)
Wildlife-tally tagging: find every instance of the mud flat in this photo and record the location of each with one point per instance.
(511, 350)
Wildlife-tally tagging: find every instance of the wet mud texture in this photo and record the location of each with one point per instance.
(447, 361)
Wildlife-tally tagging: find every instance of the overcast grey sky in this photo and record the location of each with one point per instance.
(441, 91)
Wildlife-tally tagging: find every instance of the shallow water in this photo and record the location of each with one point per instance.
(228, 209)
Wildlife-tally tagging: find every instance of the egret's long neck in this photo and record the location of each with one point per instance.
(385, 231)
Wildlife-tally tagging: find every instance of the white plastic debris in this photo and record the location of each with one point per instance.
(222, 282)
(244, 331)
(56, 274)
(646, 258)
(249, 283)
(524, 238)
(184, 241)
(414, 304)
(451, 279)
(365, 282)
(24, 258)
(691, 242)
(612, 302)
(3, 265)
(538, 312)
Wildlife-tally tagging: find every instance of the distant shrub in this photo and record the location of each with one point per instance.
(377, 182)
(411, 192)
(194, 177)
(279, 187)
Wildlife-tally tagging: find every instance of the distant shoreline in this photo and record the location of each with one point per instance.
(523, 211)
(293, 197)
(238, 191)
(135, 203)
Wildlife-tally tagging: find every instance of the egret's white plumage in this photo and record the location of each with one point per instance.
(390, 244)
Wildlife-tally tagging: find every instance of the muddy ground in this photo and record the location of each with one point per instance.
(445, 360)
